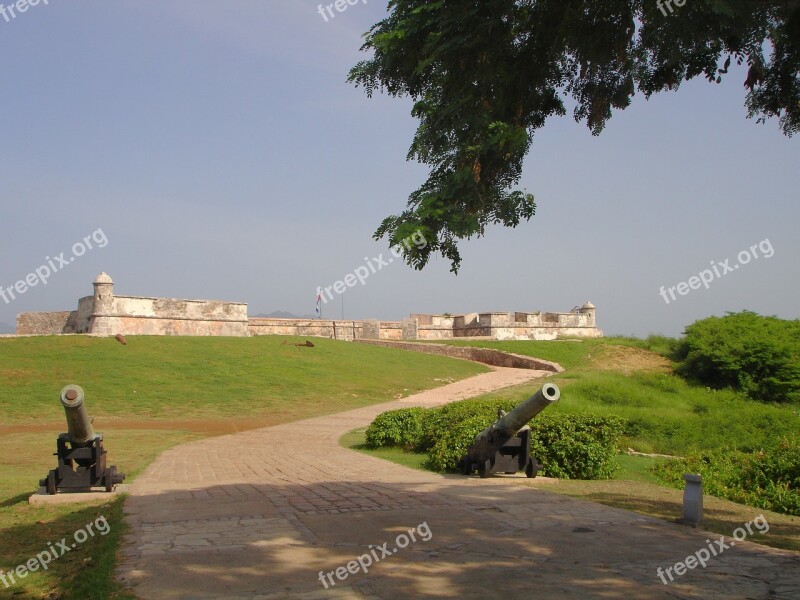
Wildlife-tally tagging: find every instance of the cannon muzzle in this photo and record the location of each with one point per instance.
(79, 425)
(511, 423)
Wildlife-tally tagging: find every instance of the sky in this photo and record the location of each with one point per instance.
(215, 150)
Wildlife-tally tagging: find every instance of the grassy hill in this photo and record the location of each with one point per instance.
(206, 378)
(620, 376)
(152, 394)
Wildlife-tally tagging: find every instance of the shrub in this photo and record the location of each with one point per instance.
(452, 442)
(755, 354)
(569, 446)
(579, 446)
(767, 479)
(400, 427)
(439, 422)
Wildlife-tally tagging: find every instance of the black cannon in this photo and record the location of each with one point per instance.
(80, 452)
(504, 446)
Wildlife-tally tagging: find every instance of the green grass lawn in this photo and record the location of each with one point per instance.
(164, 384)
(355, 441)
(200, 378)
(667, 415)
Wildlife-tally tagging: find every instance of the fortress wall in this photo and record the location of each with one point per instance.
(334, 329)
(390, 330)
(112, 325)
(172, 308)
(107, 314)
(430, 332)
(81, 318)
(151, 320)
(134, 315)
(435, 327)
(543, 333)
(340, 330)
(524, 326)
(44, 323)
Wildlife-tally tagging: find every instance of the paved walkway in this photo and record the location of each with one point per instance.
(258, 515)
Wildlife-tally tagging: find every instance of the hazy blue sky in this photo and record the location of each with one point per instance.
(221, 151)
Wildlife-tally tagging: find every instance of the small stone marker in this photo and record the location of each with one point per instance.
(693, 499)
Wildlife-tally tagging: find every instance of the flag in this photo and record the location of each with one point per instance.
(319, 299)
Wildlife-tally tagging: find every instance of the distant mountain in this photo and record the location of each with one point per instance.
(6, 328)
(282, 314)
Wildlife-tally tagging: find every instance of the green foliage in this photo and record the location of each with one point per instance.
(668, 415)
(569, 446)
(755, 354)
(768, 479)
(576, 446)
(452, 442)
(664, 413)
(444, 419)
(484, 76)
(401, 427)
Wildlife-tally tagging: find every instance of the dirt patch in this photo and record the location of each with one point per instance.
(627, 360)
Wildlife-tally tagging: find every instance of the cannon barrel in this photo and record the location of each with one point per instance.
(79, 425)
(508, 425)
(81, 456)
(505, 444)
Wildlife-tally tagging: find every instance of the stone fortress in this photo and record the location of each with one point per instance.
(107, 314)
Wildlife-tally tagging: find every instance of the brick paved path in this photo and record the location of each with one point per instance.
(259, 514)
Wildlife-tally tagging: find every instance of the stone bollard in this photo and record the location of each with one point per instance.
(693, 499)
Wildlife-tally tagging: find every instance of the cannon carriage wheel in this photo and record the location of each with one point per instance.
(109, 475)
(532, 468)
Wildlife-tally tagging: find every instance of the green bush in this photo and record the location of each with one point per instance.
(581, 446)
(453, 441)
(440, 421)
(767, 479)
(400, 427)
(755, 354)
(569, 446)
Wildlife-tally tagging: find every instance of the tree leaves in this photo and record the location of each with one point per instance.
(484, 76)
